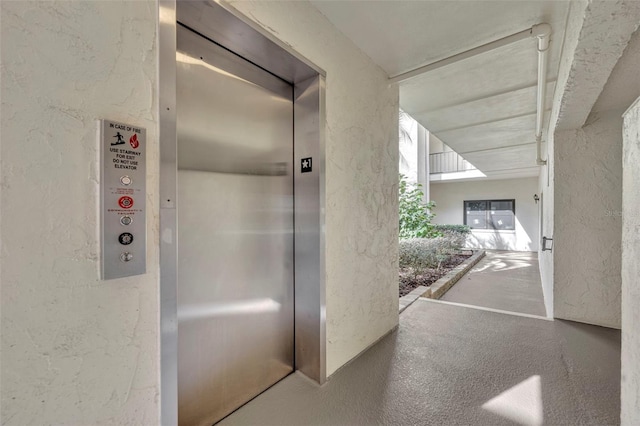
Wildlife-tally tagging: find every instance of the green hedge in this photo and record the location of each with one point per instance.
(447, 229)
(419, 254)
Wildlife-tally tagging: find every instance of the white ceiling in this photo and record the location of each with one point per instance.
(483, 107)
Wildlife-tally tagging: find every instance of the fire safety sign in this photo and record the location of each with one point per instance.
(123, 199)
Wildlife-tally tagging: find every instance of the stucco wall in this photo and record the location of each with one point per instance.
(546, 193)
(630, 391)
(449, 198)
(78, 350)
(596, 35)
(361, 177)
(75, 350)
(587, 239)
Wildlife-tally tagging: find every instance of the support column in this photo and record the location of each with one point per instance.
(630, 387)
(587, 222)
(423, 160)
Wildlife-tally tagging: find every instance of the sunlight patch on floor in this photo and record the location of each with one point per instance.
(521, 403)
(499, 265)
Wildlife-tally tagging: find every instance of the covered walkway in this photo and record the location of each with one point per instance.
(449, 365)
(504, 280)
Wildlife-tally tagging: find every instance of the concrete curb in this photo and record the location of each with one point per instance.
(440, 287)
(409, 298)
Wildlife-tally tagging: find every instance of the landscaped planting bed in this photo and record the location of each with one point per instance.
(409, 281)
(427, 251)
(424, 260)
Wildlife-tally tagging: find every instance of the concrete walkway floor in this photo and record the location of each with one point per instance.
(453, 365)
(505, 280)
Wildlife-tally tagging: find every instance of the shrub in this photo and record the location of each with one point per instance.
(462, 229)
(420, 254)
(457, 233)
(415, 215)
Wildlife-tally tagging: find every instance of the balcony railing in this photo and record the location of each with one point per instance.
(448, 162)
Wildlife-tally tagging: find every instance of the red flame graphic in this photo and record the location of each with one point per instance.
(133, 140)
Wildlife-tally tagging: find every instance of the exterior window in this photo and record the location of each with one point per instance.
(490, 214)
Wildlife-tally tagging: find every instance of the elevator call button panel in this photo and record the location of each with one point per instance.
(123, 224)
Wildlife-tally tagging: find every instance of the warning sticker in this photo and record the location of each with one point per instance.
(125, 158)
(119, 141)
(133, 140)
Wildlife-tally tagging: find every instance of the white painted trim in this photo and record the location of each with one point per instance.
(481, 308)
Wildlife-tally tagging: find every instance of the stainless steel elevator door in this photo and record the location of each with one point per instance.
(235, 230)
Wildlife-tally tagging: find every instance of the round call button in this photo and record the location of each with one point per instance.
(126, 256)
(125, 202)
(125, 238)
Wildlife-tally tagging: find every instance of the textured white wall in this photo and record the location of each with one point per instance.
(588, 204)
(449, 199)
(630, 391)
(567, 79)
(75, 350)
(582, 182)
(361, 177)
(546, 193)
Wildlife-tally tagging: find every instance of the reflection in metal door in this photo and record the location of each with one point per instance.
(235, 230)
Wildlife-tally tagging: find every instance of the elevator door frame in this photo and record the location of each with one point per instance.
(227, 27)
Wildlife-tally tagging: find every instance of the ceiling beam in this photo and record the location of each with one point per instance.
(523, 169)
(596, 36)
(496, 149)
(484, 97)
(482, 123)
(534, 31)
